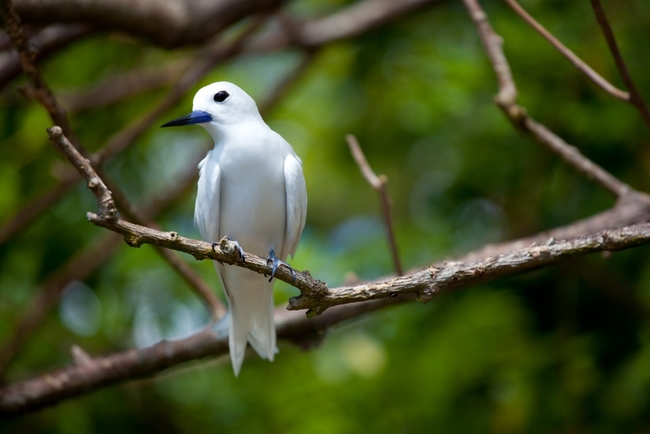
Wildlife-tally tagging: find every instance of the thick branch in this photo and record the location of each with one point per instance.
(629, 210)
(94, 373)
(171, 23)
(430, 281)
(315, 295)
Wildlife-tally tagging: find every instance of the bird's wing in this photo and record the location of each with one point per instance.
(296, 197)
(208, 196)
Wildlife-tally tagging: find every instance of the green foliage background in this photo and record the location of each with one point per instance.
(564, 350)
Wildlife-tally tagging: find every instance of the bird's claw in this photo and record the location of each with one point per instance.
(214, 249)
(242, 255)
(274, 262)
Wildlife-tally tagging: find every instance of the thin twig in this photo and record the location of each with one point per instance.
(378, 183)
(635, 97)
(506, 99)
(105, 202)
(578, 63)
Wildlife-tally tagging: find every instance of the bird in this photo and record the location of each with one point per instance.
(251, 188)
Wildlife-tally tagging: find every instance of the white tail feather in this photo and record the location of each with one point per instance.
(250, 297)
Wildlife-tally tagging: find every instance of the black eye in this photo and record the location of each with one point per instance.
(221, 96)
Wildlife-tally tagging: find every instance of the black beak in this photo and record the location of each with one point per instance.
(196, 117)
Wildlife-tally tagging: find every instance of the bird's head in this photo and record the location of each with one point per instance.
(219, 105)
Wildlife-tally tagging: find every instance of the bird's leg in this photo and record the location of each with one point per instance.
(272, 259)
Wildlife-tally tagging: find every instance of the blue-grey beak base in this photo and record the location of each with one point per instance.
(196, 117)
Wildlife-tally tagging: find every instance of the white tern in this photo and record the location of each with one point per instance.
(251, 189)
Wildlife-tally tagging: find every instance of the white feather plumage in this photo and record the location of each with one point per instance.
(251, 188)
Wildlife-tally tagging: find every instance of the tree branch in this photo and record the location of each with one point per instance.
(430, 281)
(635, 97)
(578, 63)
(184, 22)
(98, 372)
(350, 21)
(170, 24)
(105, 202)
(427, 283)
(506, 99)
(378, 183)
(628, 211)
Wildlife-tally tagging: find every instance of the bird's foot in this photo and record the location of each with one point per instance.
(242, 255)
(276, 262)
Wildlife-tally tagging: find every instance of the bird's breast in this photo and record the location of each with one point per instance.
(253, 203)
